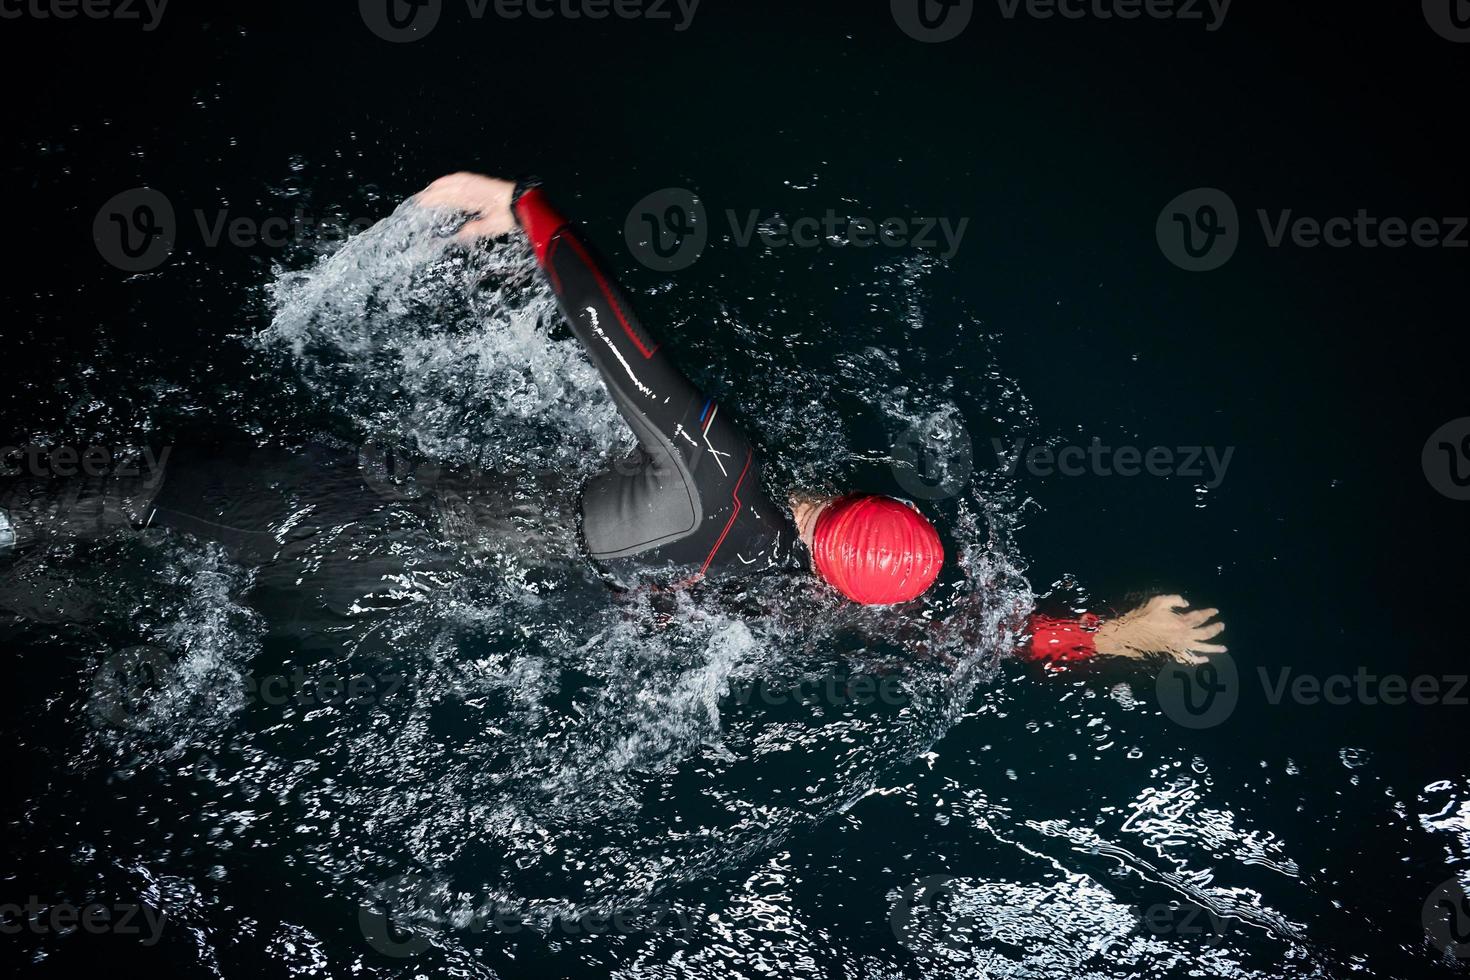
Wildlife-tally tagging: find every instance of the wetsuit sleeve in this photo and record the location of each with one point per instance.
(695, 493)
(624, 353)
(1060, 640)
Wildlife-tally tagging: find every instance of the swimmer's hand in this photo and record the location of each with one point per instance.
(1159, 627)
(476, 194)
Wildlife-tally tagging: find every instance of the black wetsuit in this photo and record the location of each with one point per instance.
(691, 503)
(693, 498)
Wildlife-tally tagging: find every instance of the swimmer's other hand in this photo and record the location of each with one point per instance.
(486, 197)
(1159, 626)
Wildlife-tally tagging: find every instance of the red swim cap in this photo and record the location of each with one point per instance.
(876, 550)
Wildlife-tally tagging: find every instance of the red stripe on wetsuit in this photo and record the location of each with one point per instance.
(1061, 640)
(542, 224)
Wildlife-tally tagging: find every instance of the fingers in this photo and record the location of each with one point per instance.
(1167, 602)
(1206, 632)
(1207, 648)
(1198, 617)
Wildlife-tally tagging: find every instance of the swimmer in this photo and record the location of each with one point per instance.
(695, 497)
(692, 504)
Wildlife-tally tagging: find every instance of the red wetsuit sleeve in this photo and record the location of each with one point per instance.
(1061, 639)
(539, 219)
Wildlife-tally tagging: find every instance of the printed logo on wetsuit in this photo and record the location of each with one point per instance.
(1199, 695)
(1450, 19)
(1446, 459)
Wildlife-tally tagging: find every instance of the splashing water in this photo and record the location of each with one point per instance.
(532, 742)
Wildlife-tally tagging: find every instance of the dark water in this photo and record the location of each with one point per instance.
(527, 759)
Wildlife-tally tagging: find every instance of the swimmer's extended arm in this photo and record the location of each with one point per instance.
(1153, 628)
(694, 494)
